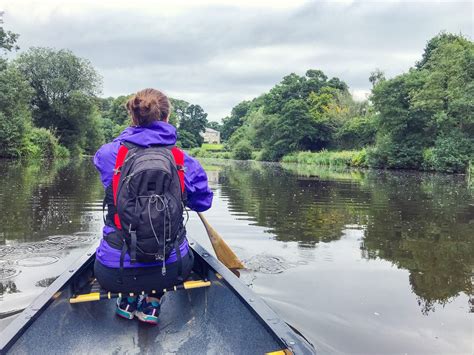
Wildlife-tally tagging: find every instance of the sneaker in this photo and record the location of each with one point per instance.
(148, 312)
(126, 307)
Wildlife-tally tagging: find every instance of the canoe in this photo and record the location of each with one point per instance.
(225, 317)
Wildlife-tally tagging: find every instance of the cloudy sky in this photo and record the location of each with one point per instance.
(217, 53)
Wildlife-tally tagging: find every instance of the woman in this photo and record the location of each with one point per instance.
(114, 269)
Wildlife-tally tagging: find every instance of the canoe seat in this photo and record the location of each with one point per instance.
(92, 291)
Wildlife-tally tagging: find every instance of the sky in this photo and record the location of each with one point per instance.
(216, 53)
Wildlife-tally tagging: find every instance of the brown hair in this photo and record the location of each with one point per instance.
(148, 105)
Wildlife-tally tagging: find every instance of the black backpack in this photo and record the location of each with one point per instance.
(148, 191)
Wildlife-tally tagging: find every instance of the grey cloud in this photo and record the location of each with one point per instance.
(219, 55)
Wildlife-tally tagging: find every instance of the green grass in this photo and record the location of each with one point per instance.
(212, 147)
(204, 153)
(345, 158)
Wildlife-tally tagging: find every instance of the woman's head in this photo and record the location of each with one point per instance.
(147, 106)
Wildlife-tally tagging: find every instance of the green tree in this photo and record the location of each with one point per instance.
(117, 111)
(242, 150)
(214, 125)
(236, 119)
(178, 111)
(425, 115)
(376, 76)
(191, 125)
(8, 39)
(63, 87)
(15, 116)
(433, 44)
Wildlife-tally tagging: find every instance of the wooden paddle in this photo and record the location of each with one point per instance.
(223, 252)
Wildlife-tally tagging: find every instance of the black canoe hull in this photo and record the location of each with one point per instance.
(225, 318)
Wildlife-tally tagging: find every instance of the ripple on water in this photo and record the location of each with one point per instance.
(7, 272)
(76, 239)
(37, 261)
(268, 264)
(6, 250)
(47, 248)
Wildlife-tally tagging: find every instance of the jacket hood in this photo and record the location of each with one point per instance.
(157, 132)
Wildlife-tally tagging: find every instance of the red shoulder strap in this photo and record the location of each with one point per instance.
(122, 153)
(178, 156)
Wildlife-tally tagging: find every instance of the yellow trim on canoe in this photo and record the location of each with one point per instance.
(196, 284)
(95, 296)
(280, 352)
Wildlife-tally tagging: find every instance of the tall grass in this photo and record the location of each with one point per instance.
(212, 147)
(346, 158)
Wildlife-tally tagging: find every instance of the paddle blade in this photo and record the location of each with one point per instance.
(223, 252)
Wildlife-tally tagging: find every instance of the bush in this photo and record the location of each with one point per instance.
(343, 158)
(450, 154)
(256, 155)
(41, 143)
(242, 151)
(62, 152)
(359, 159)
(12, 130)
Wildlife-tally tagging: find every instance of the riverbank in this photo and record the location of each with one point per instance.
(331, 159)
(345, 158)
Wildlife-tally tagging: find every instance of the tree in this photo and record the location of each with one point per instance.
(214, 125)
(402, 132)
(433, 44)
(236, 119)
(15, 117)
(178, 111)
(8, 39)
(425, 115)
(376, 76)
(63, 86)
(243, 150)
(191, 125)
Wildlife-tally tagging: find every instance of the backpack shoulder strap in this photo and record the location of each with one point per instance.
(178, 156)
(121, 154)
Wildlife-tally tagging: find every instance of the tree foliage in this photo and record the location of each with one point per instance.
(425, 115)
(15, 117)
(421, 119)
(192, 122)
(8, 39)
(49, 106)
(64, 86)
(300, 113)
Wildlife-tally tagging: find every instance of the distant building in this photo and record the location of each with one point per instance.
(212, 136)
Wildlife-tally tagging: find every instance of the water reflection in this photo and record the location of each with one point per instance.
(38, 200)
(49, 214)
(419, 222)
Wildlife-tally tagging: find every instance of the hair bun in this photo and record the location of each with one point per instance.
(148, 105)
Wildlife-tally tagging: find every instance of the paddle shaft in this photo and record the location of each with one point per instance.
(223, 252)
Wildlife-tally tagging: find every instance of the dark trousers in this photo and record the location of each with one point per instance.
(143, 278)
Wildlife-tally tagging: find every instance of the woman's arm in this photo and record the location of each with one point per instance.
(199, 195)
(104, 161)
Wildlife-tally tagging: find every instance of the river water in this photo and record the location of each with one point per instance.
(359, 261)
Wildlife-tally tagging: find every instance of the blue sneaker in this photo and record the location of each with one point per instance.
(148, 312)
(126, 307)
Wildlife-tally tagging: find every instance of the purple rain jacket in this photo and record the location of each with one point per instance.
(199, 195)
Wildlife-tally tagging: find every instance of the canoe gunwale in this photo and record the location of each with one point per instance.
(262, 312)
(21, 323)
(297, 343)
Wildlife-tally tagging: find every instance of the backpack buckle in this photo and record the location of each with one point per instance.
(117, 170)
